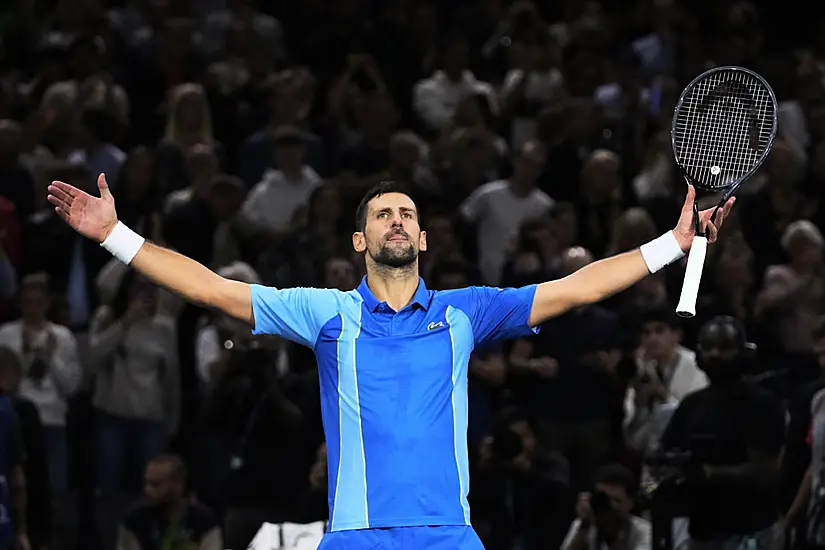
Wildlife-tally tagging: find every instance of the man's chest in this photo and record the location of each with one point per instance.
(389, 349)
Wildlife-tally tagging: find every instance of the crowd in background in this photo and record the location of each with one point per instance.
(242, 134)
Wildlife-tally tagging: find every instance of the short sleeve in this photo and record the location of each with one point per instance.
(498, 313)
(472, 209)
(297, 314)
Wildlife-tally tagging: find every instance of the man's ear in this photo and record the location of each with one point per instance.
(422, 241)
(359, 242)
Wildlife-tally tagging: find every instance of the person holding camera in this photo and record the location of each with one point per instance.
(604, 520)
(519, 494)
(733, 431)
(263, 438)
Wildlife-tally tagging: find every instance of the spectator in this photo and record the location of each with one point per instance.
(51, 370)
(499, 207)
(272, 204)
(169, 519)
(605, 516)
(435, 98)
(665, 373)
(13, 520)
(35, 464)
(133, 356)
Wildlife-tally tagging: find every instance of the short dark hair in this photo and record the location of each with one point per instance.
(616, 474)
(381, 188)
(659, 314)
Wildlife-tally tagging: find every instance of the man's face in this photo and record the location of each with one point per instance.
(289, 155)
(658, 340)
(34, 304)
(159, 483)
(392, 236)
(457, 58)
(611, 521)
(529, 163)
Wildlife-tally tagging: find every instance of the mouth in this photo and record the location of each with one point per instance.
(397, 238)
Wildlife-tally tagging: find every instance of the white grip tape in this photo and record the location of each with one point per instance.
(693, 276)
(123, 243)
(661, 252)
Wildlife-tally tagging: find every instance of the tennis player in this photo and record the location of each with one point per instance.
(392, 355)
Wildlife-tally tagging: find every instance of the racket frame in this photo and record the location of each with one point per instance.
(693, 273)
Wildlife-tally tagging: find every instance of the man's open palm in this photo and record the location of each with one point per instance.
(92, 217)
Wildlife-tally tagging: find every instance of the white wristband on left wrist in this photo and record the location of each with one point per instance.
(661, 251)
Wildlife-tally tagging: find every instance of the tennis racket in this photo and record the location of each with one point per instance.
(724, 125)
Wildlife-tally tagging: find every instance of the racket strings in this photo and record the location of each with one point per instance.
(723, 127)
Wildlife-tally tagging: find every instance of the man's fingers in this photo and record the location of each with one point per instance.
(712, 232)
(103, 186)
(70, 190)
(56, 201)
(60, 194)
(691, 196)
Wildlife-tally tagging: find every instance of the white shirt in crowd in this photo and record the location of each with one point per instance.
(498, 214)
(645, 425)
(274, 200)
(435, 99)
(640, 535)
(136, 368)
(63, 377)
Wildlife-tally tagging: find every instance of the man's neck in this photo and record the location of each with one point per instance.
(293, 175)
(396, 286)
(34, 324)
(520, 188)
(455, 76)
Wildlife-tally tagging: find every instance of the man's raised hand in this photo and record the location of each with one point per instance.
(92, 217)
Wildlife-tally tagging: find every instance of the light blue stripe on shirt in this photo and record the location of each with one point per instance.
(350, 506)
(461, 331)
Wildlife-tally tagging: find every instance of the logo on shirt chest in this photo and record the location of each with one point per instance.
(434, 325)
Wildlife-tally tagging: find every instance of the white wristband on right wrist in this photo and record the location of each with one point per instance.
(661, 251)
(123, 243)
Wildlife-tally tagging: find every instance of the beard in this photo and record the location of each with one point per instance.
(395, 256)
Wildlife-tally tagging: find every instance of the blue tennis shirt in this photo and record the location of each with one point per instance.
(394, 392)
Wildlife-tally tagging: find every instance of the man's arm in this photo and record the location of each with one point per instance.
(95, 218)
(194, 282)
(604, 278)
(592, 283)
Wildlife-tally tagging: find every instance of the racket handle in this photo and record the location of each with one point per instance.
(693, 276)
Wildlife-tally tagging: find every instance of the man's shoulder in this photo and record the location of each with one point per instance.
(311, 296)
(62, 331)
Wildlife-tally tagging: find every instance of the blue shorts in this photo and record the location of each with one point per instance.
(445, 537)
